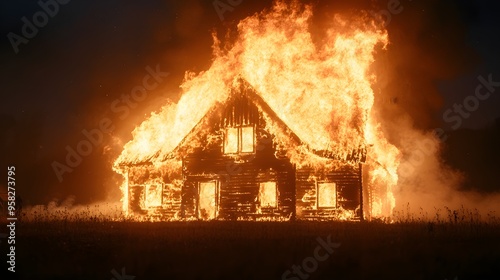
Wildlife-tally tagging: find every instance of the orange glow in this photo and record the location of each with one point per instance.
(321, 90)
(327, 195)
(267, 194)
(231, 141)
(247, 139)
(153, 195)
(207, 201)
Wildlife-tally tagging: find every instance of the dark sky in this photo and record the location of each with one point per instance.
(91, 53)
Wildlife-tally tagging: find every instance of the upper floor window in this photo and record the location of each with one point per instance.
(239, 140)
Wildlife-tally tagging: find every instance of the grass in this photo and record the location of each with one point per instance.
(89, 246)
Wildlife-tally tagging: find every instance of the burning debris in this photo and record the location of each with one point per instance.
(279, 128)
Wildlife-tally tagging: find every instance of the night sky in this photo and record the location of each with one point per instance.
(78, 69)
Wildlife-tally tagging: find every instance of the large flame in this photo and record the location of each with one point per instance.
(320, 89)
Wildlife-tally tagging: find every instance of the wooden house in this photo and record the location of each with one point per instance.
(236, 164)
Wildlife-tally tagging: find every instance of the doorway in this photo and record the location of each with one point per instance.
(207, 200)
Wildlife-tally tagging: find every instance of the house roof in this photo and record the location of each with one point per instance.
(241, 86)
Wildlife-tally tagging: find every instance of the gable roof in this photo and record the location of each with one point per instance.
(241, 86)
(244, 88)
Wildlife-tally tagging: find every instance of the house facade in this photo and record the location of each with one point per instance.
(242, 162)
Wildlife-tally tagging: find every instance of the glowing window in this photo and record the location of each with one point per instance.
(239, 140)
(231, 141)
(207, 208)
(153, 196)
(327, 195)
(268, 195)
(247, 139)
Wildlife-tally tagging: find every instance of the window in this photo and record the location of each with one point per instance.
(268, 194)
(239, 140)
(327, 195)
(153, 195)
(247, 139)
(231, 141)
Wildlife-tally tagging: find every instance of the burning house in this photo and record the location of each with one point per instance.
(239, 170)
(278, 128)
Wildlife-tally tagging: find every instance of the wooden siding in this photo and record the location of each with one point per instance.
(140, 176)
(348, 182)
(239, 189)
(238, 175)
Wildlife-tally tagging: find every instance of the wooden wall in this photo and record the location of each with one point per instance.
(348, 181)
(238, 175)
(238, 191)
(142, 175)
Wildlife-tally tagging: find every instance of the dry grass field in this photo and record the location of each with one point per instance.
(450, 247)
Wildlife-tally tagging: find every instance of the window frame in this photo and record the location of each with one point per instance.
(240, 139)
(226, 134)
(239, 136)
(216, 196)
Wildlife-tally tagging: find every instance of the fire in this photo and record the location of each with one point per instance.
(267, 194)
(321, 90)
(207, 209)
(327, 194)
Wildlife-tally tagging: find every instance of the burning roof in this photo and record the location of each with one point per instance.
(282, 131)
(321, 90)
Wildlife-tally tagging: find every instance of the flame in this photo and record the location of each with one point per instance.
(207, 206)
(153, 195)
(327, 195)
(267, 194)
(320, 89)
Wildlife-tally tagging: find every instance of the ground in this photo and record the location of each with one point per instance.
(249, 250)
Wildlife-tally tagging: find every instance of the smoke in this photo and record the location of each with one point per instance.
(426, 183)
(427, 44)
(91, 54)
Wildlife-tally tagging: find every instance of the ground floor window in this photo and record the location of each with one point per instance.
(268, 194)
(153, 196)
(327, 195)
